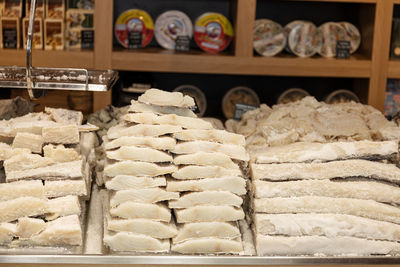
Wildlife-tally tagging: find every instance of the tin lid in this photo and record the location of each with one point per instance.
(171, 24)
(353, 35)
(238, 95)
(213, 32)
(341, 96)
(292, 95)
(134, 20)
(304, 39)
(269, 37)
(197, 94)
(331, 32)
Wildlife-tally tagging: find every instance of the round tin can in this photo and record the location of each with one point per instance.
(238, 95)
(269, 38)
(304, 39)
(197, 94)
(341, 96)
(353, 35)
(171, 24)
(288, 28)
(292, 95)
(213, 32)
(134, 20)
(331, 32)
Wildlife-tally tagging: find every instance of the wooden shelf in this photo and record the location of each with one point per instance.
(394, 69)
(342, 1)
(42, 58)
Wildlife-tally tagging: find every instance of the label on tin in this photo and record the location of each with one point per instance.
(134, 40)
(87, 37)
(213, 32)
(240, 109)
(269, 38)
(343, 49)
(182, 43)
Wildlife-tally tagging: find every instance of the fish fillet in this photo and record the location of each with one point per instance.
(209, 246)
(330, 225)
(327, 170)
(135, 210)
(170, 119)
(147, 227)
(190, 231)
(233, 151)
(61, 134)
(138, 169)
(60, 153)
(24, 162)
(7, 151)
(235, 185)
(11, 210)
(307, 152)
(311, 204)
(220, 136)
(217, 198)
(162, 98)
(65, 187)
(139, 154)
(33, 142)
(65, 116)
(58, 171)
(7, 232)
(321, 245)
(124, 241)
(144, 108)
(122, 182)
(161, 143)
(209, 214)
(141, 130)
(60, 232)
(377, 191)
(18, 189)
(28, 227)
(34, 127)
(63, 206)
(147, 195)
(206, 159)
(197, 172)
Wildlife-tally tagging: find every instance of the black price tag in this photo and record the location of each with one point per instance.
(240, 109)
(182, 43)
(195, 108)
(10, 38)
(87, 39)
(343, 49)
(134, 40)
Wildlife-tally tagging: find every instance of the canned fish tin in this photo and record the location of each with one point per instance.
(238, 95)
(288, 28)
(269, 37)
(341, 96)
(292, 95)
(133, 21)
(171, 24)
(331, 32)
(213, 32)
(198, 96)
(304, 40)
(353, 35)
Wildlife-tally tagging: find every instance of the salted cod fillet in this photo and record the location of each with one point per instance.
(308, 152)
(7, 232)
(125, 241)
(235, 185)
(311, 204)
(7, 151)
(380, 192)
(135, 210)
(327, 170)
(233, 151)
(197, 172)
(28, 227)
(162, 98)
(139, 154)
(144, 108)
(141, 130)
(65, 116)
(122, 182)
(161, 143)
(11, 210)
(63, 206)
(330, 225)
(217, 198)
(209, 246)
(170, 119)
(155, 229)
(138, 169)
(317, 245)
(219, 136)
(63, 188)
(18, 189)
(147, 195)
(60, 153)
(208, 214)
(225, 230)
(24, 162)
(61, 134)
(33, 142)
(206, 159)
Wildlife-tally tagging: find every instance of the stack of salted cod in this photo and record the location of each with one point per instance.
(326, 199)
(45, 180)
(142, 174)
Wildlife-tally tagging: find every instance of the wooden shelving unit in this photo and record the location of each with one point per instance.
(371, 63)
